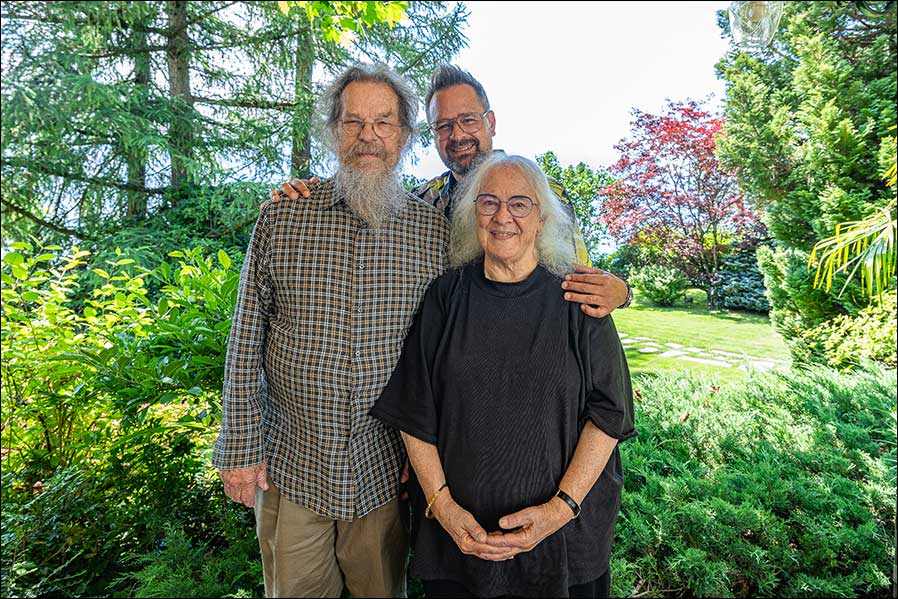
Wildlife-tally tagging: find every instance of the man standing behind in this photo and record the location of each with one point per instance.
(327, 294)
(464, 125)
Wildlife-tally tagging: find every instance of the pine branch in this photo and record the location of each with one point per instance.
(42, 222)
(245, 103)
(193, 48)
(39, 168)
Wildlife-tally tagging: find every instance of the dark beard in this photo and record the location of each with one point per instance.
(459, 168)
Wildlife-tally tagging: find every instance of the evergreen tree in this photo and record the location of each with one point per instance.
(179, 112)
(807, 129)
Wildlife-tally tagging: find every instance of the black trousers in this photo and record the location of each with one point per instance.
(446, 589)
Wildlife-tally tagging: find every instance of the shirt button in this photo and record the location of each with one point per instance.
(358, 354)
(360, 310)
(361, 267)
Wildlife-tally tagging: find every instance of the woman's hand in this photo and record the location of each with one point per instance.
(531, 525)
(466, 532)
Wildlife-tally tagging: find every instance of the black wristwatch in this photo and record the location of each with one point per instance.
(629, 301)
(575, 507)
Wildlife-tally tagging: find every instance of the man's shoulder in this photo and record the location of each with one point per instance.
(558, 189)
(425, 212)
(433, 187)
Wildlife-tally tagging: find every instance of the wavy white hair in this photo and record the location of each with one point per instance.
(555, 248)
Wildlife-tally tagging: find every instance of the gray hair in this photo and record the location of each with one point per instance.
(555, 248)
(447, 75)
(331, 106)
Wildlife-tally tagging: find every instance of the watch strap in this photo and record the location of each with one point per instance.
(575, 507)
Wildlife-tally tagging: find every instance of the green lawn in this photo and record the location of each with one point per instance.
(693, 325)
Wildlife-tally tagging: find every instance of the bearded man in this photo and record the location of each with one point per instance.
(327, 294)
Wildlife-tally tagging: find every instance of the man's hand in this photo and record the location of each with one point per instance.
(530, 526)
(293, 188)
(240, 484)
(599, 292)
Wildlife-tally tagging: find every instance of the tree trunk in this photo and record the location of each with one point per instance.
(181, 136)
(301, 154)
(137, 159)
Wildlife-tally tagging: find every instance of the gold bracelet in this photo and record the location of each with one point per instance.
(427, 513)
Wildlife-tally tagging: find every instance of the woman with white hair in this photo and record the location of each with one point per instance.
(511, 402)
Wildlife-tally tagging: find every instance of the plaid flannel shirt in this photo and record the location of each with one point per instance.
(323, 308)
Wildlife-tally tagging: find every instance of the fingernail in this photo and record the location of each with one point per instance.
(567, 296)
(564, 285)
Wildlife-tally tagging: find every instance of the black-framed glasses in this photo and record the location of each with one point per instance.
(518, 206)
(382, 129)
(469, 122)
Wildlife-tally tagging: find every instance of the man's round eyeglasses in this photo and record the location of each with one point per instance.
(469, 122)
(518, 206)
(382, 129)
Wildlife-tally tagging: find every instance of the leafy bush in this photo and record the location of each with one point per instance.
(780, 486)
(847, 341)
(796, 306)
(740, 283)
(110, 406)
(661, 285)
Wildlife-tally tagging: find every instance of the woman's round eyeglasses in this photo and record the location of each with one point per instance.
(518, 206)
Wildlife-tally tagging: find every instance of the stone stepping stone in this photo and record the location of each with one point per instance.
(727, 353)
(622, 335)
(761, 365)
(643, 338)
(672, 353)
(647, 350)
(706, 361)
(674, 345)
(651, 344)
(693, 350)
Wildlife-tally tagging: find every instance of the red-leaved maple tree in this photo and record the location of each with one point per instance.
(672, 195)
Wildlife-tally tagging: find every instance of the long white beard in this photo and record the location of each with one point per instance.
(373, 197)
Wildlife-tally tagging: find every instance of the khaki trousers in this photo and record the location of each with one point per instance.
(307, 555)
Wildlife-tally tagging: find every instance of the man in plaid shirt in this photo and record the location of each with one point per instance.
(327, 294)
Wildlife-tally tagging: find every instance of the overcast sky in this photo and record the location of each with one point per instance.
(564, 76)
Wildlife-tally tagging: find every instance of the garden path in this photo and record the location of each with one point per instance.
(710, 357)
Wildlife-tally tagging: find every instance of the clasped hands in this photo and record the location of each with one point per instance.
(526, 528)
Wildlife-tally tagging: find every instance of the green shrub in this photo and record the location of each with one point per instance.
(180, 567)
(847, 341)
(780, 486)
(662, 285)
(796, 306)
(110, 405)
